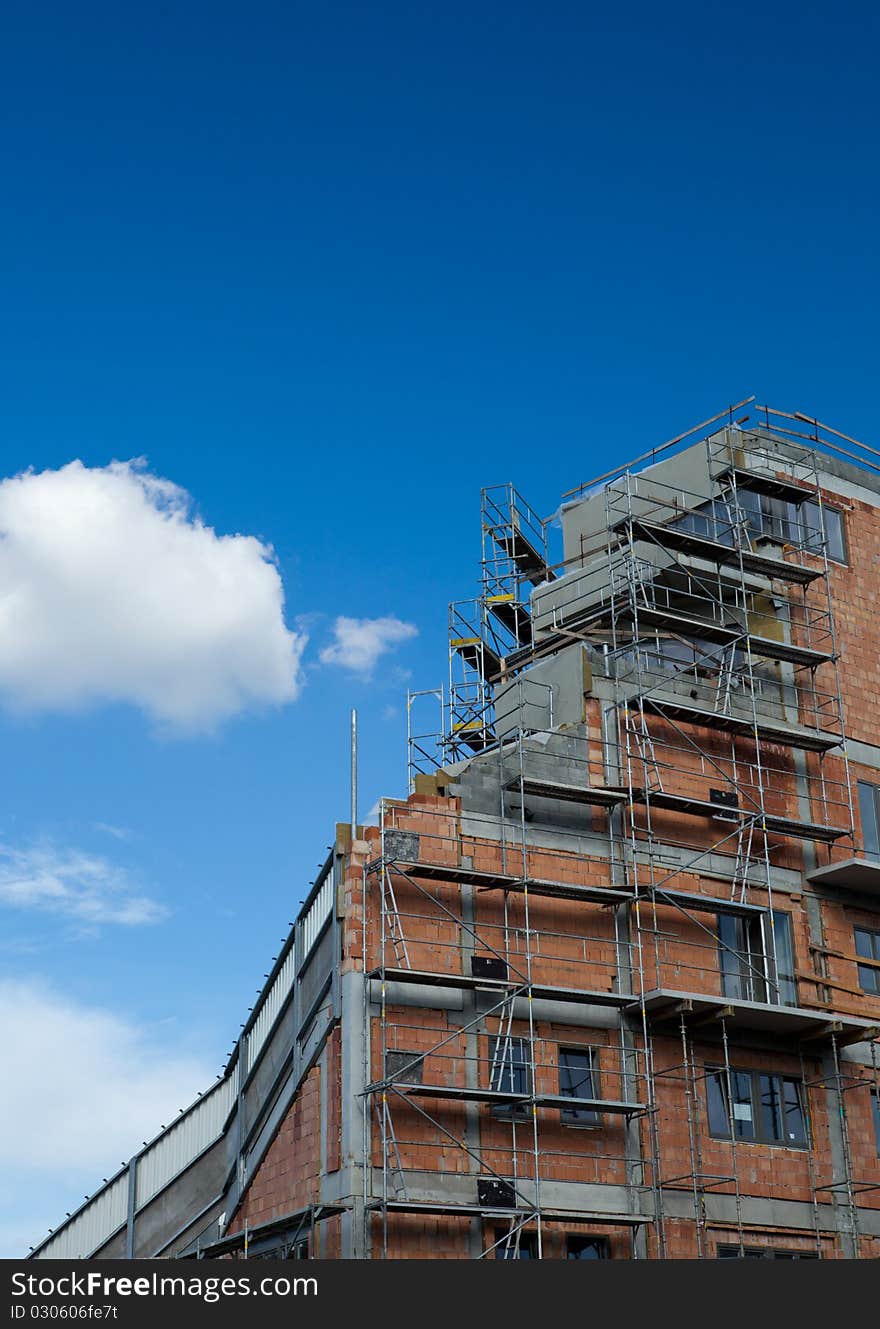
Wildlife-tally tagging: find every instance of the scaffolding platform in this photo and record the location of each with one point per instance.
(698, 807)
(529, 562)
(714, 551)
(479, 656)
(538, 991)
(475, 734)
(704, 904)
(728, 633)
(503, 1098)
(763, 482)
(569, 1216)
(600, 795)
(500, 881)
(757, 1017)
(770, 731)
(513, 616)
(861, 875)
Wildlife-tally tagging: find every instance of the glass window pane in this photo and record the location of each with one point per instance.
(509, 1065)
(576, 1080)
(743, 1109)
(869, 979)
(868, 812)
(771, 1108)
(750, 510)
(810, 527)
(868, 944)
(795, 1126)
(716, 1104)
(731, 944)
(836, 548)
(864, 943)
(785, 991)
(875, 1108)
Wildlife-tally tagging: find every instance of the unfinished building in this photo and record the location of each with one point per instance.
(607, 983)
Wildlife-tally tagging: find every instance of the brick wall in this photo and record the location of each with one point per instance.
(287, 1178)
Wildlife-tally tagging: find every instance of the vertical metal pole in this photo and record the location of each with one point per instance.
(354, 775)
(132, 1208)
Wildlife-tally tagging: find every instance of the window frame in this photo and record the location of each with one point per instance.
(868, 972)
(602, 1244)
(728, 1251)
(776, 519)
(527, 1240)
(583, 1117)
(821, 529)
(868, 795)
(748, 1091)
(750, 972)
(498, 1070)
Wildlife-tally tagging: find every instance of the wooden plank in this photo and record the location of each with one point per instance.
(822, 981)
(842, 955)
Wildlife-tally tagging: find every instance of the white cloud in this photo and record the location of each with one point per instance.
(107, 828)
(73, 884)
(82, 1088)
(359, 642)
(112, 590)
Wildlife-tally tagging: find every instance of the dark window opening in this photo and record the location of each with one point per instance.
(510, 1071)
(587, 1248)
(516, 1246)
(579, 1078)
(764, 1108)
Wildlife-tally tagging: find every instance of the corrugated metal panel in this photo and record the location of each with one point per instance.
(317, 915)
(271, 1005)
(183, 1142)
(92, 1226)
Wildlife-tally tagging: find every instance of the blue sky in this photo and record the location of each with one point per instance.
(330, 269)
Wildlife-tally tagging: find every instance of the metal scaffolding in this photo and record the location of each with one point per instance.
(710, 618)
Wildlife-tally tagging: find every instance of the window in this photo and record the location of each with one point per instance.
(804, 524)
(516, 1246)
(765, 1108)
(586, 1248)
(868, 947)
(778, 520)
(752, 969)
(764, 1253)
(869, 808)
(768, 518)
(875, 1110)
(510, 1070)
(811, 523)
(579, 1078)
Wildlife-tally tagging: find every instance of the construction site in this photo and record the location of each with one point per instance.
(606, 984)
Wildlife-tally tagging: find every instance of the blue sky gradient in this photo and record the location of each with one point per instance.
(331, 269)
